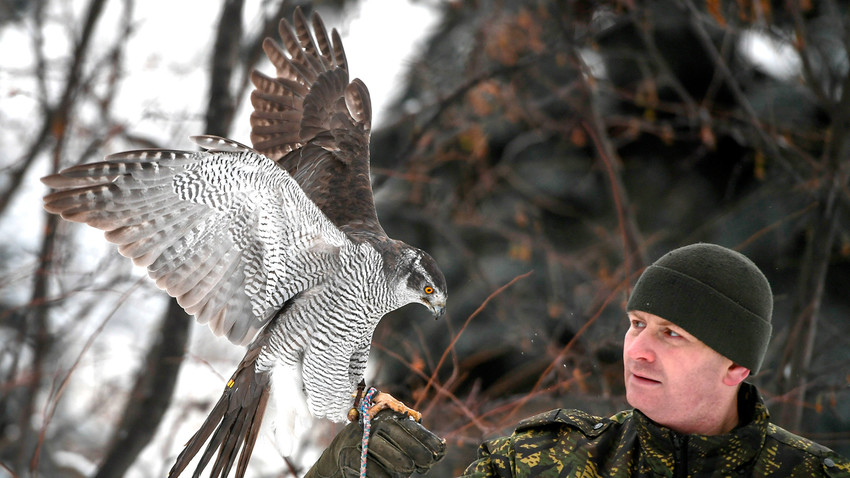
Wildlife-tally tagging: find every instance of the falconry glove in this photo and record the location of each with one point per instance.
(398, 446)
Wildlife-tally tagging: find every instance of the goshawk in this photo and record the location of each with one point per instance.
(278, 247)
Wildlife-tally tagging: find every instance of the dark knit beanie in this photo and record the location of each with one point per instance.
(715, 294)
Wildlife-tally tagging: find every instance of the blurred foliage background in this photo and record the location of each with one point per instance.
(543, 152)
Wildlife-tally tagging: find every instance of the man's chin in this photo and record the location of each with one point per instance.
(643, 399)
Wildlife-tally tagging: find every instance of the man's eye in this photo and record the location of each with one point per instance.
(673, 333)
(638, 324)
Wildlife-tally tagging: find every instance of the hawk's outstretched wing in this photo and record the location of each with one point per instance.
(316, 123)
(226, 231)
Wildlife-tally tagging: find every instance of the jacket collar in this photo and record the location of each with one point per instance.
(664, 449)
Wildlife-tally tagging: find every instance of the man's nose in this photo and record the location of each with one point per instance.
(641, 347)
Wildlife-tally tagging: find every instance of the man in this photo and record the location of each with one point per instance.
(699, 324)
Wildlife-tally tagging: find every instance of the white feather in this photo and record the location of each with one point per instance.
(290, 419)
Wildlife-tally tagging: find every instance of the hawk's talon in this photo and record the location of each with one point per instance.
(385, 400)
(380, 402)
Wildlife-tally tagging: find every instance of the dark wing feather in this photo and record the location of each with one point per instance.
(316, 124)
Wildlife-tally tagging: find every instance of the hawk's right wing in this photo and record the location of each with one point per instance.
(227, 231)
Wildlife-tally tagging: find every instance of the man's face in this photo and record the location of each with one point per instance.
(674, 378)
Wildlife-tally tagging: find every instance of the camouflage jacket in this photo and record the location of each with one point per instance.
(571, 443)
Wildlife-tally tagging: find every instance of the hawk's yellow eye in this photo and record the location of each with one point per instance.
(429, 289)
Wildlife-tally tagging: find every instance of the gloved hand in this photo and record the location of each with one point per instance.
(398, 446)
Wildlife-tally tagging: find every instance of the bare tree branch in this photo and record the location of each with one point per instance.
(56, 116)
(55, 123)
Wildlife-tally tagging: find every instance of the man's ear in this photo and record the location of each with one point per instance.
(735, 374)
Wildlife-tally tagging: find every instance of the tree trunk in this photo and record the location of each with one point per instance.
(151, 394)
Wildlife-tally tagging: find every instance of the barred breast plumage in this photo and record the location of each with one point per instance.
(277, 247)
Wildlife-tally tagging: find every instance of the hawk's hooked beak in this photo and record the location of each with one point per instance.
(439, 310)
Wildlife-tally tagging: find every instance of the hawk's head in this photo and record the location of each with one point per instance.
(421, 281)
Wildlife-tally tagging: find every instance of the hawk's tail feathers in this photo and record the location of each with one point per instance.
(232, 425)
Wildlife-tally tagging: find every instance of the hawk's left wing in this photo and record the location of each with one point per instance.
(226, 231)
(316, 124)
